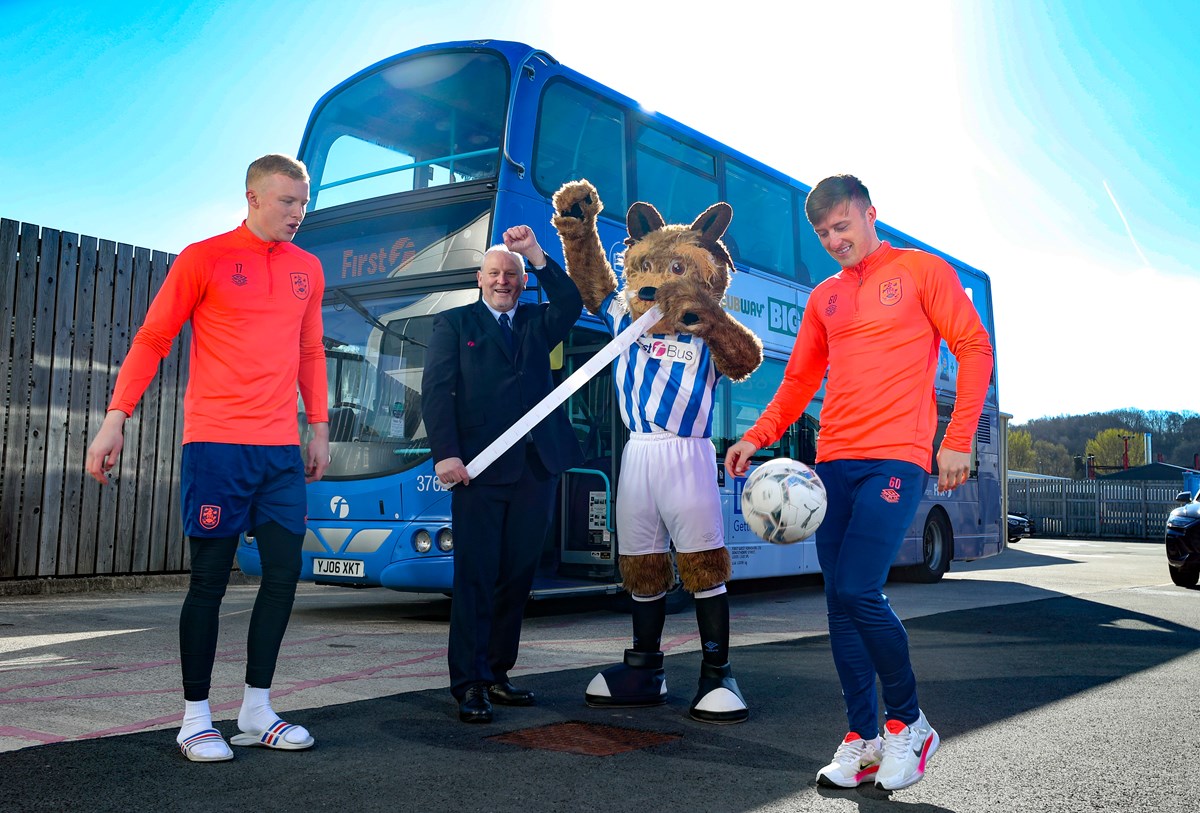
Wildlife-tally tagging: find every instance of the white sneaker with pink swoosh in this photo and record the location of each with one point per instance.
(906, 752)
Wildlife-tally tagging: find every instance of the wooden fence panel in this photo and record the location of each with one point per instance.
(104, 498)
(80, 495)
(69, 308)
(165, 443)
(56, 545)
(33, 500)
(129, 309)
(9, 231)
(19, 399)
(144, 287)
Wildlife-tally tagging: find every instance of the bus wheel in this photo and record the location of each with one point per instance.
(935, 549)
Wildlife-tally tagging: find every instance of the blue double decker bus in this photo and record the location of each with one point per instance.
(418, 164)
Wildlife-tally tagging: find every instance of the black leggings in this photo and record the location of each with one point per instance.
(199, 621)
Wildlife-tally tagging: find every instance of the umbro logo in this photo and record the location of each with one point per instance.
(238, 277)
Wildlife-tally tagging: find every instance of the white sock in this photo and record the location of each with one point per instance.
(197, 717)
(257, 715)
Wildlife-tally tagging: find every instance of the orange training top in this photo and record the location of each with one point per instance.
(255, 308)
(876, 327)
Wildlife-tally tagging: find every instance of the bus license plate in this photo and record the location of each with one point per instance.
(349, 568)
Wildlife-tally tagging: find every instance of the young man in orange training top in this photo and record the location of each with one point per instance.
(876, 326)
(254, 301)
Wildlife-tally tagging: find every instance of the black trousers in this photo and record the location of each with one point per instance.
(199, 620)
(499, 531)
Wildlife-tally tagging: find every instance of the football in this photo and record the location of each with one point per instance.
(783, 501)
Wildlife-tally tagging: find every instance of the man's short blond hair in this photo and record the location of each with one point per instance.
(275, 164)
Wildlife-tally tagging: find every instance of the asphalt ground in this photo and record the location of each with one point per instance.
(1057, 702)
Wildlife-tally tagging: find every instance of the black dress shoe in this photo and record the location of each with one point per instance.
(474, 706)
(507, 694)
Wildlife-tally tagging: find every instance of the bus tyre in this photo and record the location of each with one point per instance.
(936, 543)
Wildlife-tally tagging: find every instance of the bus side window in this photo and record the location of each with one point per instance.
(806, 430)
(764, 207)
(677, 178)
(580, 136)
(747, 400)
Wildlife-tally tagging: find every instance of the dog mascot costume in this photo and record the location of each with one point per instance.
(666, 382)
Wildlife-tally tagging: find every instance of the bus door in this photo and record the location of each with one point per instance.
(586, 533)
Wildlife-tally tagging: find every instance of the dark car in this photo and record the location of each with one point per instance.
(1019, 526)
(1183, 540)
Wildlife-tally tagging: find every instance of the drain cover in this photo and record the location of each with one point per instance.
(590, 739)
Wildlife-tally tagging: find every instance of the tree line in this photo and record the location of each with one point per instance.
(1062, 445)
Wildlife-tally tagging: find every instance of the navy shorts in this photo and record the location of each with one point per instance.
(230, 488)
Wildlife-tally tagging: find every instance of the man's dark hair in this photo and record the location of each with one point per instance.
(833, 192)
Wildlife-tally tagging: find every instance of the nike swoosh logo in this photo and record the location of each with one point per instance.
(919, 747)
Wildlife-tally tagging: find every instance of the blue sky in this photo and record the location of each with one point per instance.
(1049, 144)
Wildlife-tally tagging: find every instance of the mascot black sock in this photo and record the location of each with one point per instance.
(649, 617)
(712, 619)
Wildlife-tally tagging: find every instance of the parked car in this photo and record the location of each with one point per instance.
(1019, 526)
(1183, 540)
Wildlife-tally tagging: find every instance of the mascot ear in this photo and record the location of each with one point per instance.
(641, 220)
(711, 224)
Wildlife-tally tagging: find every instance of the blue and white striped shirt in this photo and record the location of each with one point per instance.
(665, 382)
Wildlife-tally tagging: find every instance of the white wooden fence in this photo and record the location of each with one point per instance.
(1126, 509)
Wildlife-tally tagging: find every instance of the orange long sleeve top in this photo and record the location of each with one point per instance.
(876, 328)
(255, 308)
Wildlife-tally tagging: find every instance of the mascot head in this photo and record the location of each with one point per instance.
(657, 252)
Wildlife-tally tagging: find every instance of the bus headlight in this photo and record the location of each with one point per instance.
(422, 541)
(445, 540)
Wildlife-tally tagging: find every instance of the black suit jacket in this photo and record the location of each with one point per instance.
(474, 387)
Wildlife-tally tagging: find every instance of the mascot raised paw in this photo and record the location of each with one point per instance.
(666, 383)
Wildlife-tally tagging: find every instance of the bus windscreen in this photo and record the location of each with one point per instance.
(428, 121)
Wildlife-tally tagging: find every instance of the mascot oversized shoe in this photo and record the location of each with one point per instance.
(639, 681)
(719, 700)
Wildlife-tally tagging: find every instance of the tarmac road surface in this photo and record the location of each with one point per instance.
(1061, 676)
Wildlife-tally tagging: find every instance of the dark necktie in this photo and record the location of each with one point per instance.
(506, 329)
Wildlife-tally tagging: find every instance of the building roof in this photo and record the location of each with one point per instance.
(1030, 475)
(1160, 472)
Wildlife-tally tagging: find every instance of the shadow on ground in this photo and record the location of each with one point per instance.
(978, 668)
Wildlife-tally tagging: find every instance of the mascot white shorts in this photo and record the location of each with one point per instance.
(668, 493)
